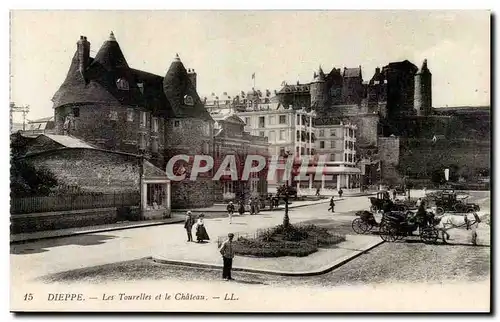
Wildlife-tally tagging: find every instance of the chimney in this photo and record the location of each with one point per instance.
(192, 77)
(83, 49)
(377, 70)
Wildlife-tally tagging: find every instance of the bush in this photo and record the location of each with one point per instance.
(300, 240)
(259, 248)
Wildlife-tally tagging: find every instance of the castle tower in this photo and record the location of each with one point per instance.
(318, 90)
(423, 91)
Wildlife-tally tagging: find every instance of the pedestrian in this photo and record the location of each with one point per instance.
(188, 225)
(341, 192)
(317, 191)
(201, 232)
(394, 194)
(419, 203)
(332, 205)
(227, 252)
(230, 211)
(241, 208)
(252, 206)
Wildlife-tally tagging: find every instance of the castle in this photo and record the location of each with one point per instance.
(398, 127)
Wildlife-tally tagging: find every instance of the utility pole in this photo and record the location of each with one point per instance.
(18, 109)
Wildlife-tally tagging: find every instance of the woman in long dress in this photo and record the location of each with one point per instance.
(201, 232)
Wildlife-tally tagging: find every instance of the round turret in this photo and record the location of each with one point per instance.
(423, 90)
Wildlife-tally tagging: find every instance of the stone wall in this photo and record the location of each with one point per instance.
(92, 170)
(95, 125)
(388, 150)
(420, 157)
(191, 137)
(61, 220)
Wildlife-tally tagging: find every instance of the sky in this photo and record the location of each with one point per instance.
(227, 47)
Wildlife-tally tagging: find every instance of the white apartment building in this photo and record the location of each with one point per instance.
(291, 131)
(338, 143)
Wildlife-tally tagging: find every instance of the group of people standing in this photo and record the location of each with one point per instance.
(201, 232)
(226, 249)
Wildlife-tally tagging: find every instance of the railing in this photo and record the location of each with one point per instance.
(72, 202)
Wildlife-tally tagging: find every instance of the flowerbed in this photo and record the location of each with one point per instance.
(300, 241)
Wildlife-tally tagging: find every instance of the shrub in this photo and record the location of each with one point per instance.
(300, 240)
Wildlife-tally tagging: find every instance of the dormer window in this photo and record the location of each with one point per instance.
(141, 87)
(122, 84)
(188, 100)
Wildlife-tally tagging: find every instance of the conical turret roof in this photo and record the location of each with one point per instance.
(178, 89)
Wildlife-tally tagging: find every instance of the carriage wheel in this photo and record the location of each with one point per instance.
(359, 226)
(439, 211)
(429, 235)
(387, 233)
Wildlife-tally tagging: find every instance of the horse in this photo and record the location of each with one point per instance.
(448, 221)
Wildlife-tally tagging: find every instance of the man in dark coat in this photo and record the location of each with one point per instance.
(332, 205)
(188, 225)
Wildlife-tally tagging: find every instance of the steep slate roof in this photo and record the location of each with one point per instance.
(352, 72)
(176, 85)
(161, 95)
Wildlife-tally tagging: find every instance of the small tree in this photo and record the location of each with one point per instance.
(26, 180)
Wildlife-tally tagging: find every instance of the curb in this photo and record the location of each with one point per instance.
(321, 271)
(96, 231)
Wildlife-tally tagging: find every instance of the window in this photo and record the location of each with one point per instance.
(188, 100)
(262, 121)
(144, 119)
(227, 187)
(345, 157)
(130, 115)
(321, 144)
(272, 136)
(122, 84)
(321, 133)
(272, 119)
(154, 145)
(177, 123)
(333, 132)
(76, 111)
(351, 145)
(298, 135)
(282, 119)
(346, 145)
(350, 157)
(113, 115)
(142, 141)
(282, 151)
(262, 133)
(205, 148)
(282, 135)
(302, 150)
(332, 157)
(155, 125)
(332, 144)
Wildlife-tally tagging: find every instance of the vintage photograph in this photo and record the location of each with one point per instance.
(250, 161)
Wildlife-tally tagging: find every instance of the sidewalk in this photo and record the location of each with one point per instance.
(177, 217)
(24, 237)
(320, 262)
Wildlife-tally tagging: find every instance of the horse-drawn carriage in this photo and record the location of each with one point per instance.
(396, 225)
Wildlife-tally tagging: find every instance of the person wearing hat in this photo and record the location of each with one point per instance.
(227, 252)
(188, 225)
(230, 211)
(201, 232)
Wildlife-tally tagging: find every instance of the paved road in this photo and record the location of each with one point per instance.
(34, 259)
(402, 261)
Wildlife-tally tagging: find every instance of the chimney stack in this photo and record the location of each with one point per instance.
(192, 76)
(83, 49)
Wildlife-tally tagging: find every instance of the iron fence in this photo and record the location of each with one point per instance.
(67, 202)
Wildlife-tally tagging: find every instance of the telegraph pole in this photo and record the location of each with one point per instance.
(18, 109)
